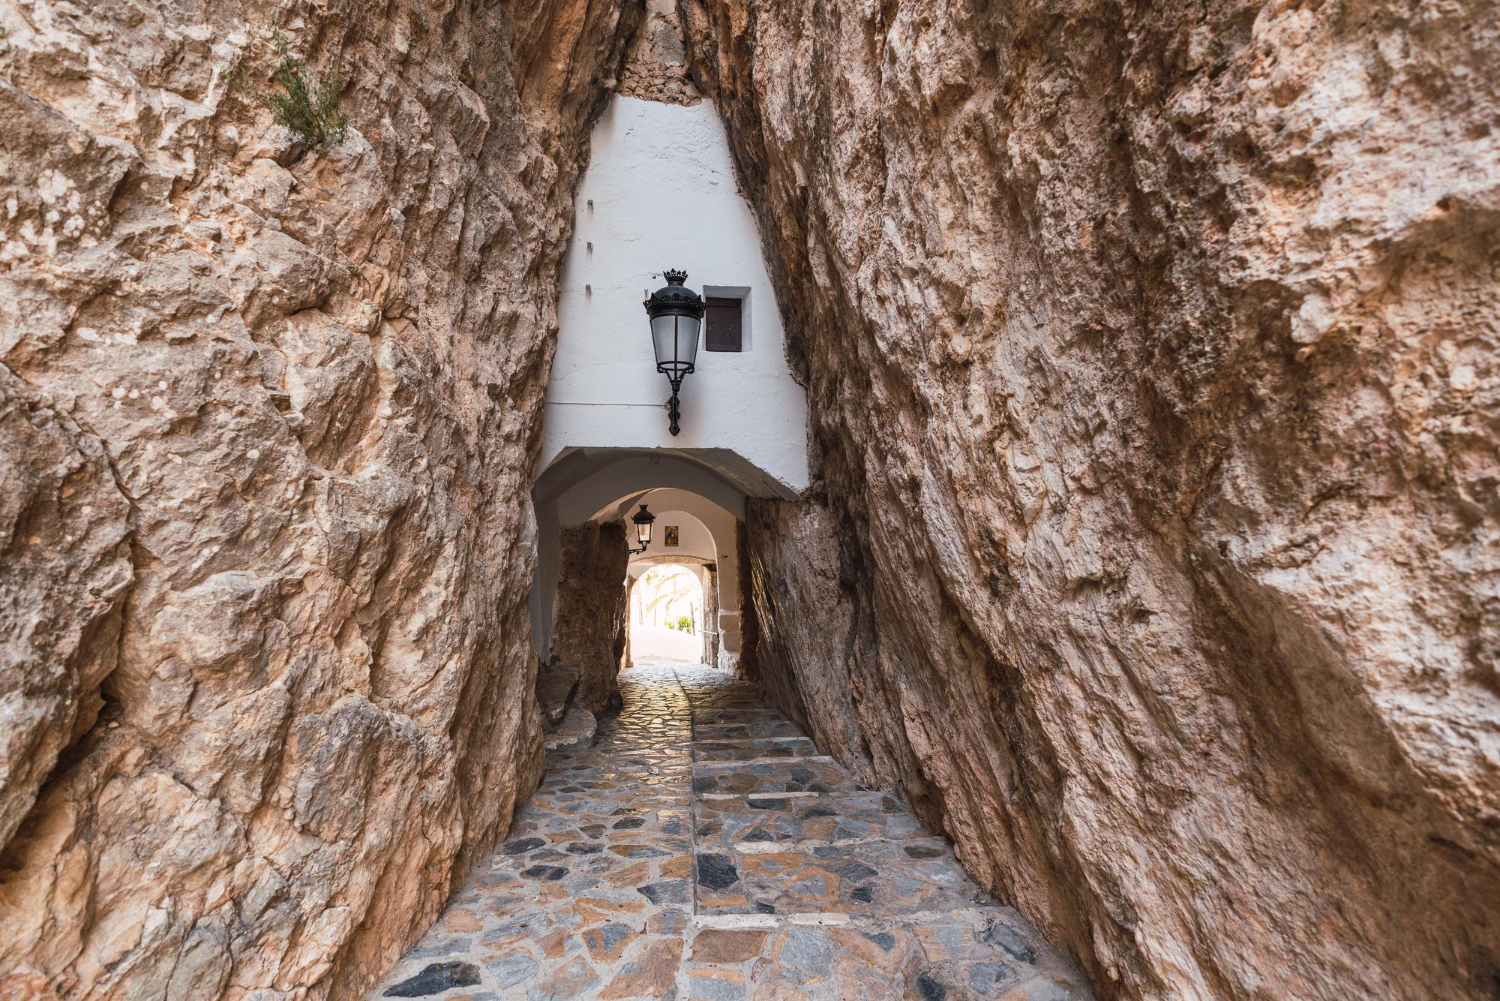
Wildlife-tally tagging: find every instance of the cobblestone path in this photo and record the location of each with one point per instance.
(704, 849)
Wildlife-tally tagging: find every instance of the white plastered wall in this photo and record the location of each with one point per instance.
(660, 193)
(695, 540)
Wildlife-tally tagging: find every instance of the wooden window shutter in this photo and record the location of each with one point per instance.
(725, 322)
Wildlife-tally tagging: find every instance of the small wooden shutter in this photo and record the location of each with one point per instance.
(725, 325)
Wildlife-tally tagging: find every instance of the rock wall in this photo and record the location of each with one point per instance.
(268, 417)
(709, 579)
(1154, 359)
(655, 66)
(590, 631)
(745, 664)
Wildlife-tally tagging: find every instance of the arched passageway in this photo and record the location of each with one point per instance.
(583, 502)
(698, 844)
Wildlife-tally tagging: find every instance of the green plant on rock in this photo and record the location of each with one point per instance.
(307, 104)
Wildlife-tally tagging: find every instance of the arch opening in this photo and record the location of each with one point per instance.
(587, 569)
(668, 620)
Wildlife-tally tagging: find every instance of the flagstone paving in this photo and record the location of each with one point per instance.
(703, 850)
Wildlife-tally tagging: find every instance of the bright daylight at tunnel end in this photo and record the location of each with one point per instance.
(749, 499)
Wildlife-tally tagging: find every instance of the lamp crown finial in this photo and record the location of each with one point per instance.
(675, 276)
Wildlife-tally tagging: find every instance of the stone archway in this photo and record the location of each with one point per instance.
(578, 588)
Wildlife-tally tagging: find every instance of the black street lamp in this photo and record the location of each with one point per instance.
(643, 520)
(676, 316)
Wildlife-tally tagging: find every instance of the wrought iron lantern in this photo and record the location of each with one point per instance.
(676, 316)
(643, 520)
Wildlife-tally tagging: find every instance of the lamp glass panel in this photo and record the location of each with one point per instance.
(643, 532)
(687, 339)
(664, 338)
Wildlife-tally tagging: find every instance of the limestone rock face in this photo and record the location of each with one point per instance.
(267, 422)
(655, 64)
(591, 629)
(1154, 359)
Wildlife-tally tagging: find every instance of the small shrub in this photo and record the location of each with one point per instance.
(307, 104)
(685, 623)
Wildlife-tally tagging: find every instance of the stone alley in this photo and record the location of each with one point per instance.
(703, 848)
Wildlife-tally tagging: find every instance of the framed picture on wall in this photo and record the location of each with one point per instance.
(670, 538)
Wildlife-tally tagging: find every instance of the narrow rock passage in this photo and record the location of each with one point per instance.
(704, 849)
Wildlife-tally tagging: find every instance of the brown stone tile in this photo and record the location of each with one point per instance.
(632, 875)
(722, 945)
(772, 863)
(679, 867)
(722, 900)
(594, 909)
(820, 828)
(553, 944)
(650, 975)
(884, 950)
(636, 848)
(462, 920)
(568, 981)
